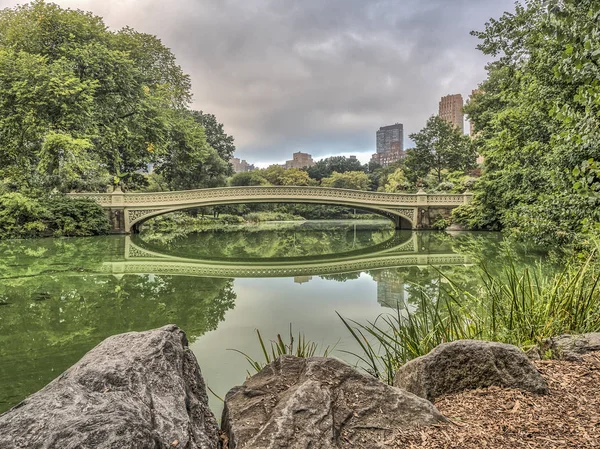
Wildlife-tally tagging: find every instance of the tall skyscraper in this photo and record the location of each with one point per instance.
(451, 110)
(387, 136)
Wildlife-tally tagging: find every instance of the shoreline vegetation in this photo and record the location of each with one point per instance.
(522, 307)
(229, 222)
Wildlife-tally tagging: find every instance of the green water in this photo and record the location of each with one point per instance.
(61, 297)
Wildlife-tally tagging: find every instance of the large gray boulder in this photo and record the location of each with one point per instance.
(135, 390)
(469, 364)
(572, 347)
(319, 403)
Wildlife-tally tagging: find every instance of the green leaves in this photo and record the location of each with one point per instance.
(78, 102)
(537, 116)
(354, 180)
(439, 146)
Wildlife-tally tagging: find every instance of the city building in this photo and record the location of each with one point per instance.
(389, 145)
(387, 136)
(302, 279)
(241, 166)
(390, 289)
(451, 110)
(389, 157)
(300, 160)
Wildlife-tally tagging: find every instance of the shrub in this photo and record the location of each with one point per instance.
(22, 216)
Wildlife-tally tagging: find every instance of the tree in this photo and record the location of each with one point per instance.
(295, 177)
(190, 162)
(341, 164)
(537, 118)
(252, 178)
(75, 95)
(354, 180)
(439, 146)
(216, 136)
(397, 181)
(273, 174)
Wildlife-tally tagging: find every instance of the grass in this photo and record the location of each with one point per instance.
(518, 307)
(522, 307)
(278, 347)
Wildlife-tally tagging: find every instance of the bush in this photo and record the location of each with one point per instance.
(22, 216)
(78, 217)
(441, 223)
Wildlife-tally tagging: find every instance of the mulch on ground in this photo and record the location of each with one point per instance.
(568, 417)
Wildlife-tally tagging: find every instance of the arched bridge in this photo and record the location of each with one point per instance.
(408, 211)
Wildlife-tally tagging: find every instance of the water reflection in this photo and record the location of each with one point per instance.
(276, 242)
(60, 297)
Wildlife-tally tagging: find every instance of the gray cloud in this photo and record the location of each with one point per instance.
(314, 75)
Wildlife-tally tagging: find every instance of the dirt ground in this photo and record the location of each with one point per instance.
(568, 417)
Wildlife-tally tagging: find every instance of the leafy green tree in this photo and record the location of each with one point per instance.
(341, 164)
(537, 119)
(296, 177)
(78, 102)
(216, 136)
(439, 146)
(397, 181)
(273, 174)
(252, 178)
(191, 163)
(354, 180)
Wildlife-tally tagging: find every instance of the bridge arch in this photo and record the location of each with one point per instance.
(402, 219)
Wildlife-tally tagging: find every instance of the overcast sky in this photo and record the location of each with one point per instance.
(319, 76)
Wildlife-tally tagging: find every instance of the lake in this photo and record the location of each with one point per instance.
(61, 297)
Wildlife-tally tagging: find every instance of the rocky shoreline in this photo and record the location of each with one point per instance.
(145, 390)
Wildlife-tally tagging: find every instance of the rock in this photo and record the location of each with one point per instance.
(469, 364)
(319, 403)
(457, 227)
(134, 390)
(534, 353)
(572, 347)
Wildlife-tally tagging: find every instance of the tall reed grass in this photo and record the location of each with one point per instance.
(278, 347)
(518, 306)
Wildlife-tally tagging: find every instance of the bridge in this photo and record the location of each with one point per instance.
(127, 211)
(392, 254)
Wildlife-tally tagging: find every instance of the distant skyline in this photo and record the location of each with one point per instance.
(310, 75)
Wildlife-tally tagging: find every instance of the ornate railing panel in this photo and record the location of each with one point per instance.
(166, 199)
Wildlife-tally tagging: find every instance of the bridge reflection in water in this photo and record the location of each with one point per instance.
(404, 250)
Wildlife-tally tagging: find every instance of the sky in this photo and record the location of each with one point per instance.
(318, 76)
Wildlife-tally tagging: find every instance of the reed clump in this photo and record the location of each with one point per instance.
(517, 306)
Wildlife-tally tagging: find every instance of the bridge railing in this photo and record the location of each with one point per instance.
(273, 193)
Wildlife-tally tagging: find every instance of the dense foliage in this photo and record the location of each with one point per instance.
(537, 120)
(439, 146)
(22, 216)
(84, 108)
(340, 164)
